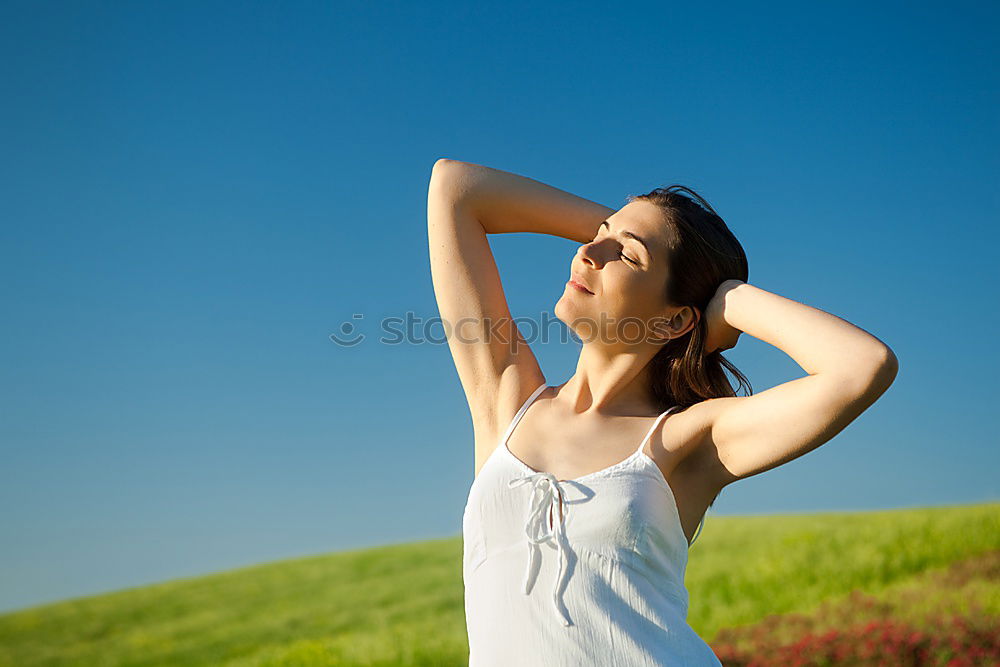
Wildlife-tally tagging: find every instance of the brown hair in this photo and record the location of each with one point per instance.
(702, 254)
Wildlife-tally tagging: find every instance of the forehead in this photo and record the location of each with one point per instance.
(643, 218)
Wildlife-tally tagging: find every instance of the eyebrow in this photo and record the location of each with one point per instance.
(629, 235)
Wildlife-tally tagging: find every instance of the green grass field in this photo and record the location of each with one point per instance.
(402, 605)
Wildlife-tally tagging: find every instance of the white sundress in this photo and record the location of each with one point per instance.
(608, 589)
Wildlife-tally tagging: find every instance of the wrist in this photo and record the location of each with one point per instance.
(732, 291)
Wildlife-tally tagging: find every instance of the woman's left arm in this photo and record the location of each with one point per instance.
(848, 369)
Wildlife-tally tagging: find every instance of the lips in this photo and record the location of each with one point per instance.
(575, 282)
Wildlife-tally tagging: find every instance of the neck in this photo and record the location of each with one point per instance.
(610, 383)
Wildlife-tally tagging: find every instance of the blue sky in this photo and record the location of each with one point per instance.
(197, 194)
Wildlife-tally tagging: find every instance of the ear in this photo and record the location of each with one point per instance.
(695, 318)
(661, 327)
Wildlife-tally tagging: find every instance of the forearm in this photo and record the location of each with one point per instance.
(504, 202)
(818, 341)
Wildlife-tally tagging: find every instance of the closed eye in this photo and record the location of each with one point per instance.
(628, 259)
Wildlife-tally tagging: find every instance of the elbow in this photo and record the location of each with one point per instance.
(444, 163)
(884, 370)
(452, 182)
(439, 166)
(446, 172)
(871, 372)
(891, 365)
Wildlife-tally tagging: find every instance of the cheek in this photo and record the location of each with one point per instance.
(630, 295)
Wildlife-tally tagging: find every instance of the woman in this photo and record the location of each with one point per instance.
(605, 496)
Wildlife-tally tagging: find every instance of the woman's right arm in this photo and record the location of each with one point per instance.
(465, 202)
(504, 202)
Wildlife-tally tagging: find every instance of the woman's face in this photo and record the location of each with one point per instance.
(624, 268)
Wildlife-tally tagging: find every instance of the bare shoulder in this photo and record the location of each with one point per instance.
(685, 443)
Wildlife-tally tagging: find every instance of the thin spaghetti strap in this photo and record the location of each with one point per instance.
(517, 417)
(698, 531)
(653, 427)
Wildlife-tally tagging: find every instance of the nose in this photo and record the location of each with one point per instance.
(590, 254)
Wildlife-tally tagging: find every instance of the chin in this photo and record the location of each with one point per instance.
(567, 313)
(564, 311)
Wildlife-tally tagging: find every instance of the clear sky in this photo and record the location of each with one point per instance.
(195, 195)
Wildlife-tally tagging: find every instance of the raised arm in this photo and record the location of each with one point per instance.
(848, 369)
(465, 202)
(503, 202)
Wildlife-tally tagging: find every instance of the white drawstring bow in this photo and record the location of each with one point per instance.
(546, 497)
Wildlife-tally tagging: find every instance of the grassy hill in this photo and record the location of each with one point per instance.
(402, 605)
